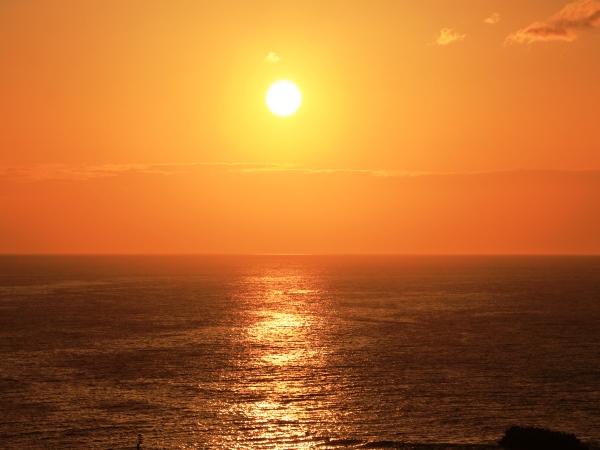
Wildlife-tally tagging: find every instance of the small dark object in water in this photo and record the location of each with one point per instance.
(531, 438)
(381, 444)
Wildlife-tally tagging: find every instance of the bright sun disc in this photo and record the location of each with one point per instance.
(284, 98)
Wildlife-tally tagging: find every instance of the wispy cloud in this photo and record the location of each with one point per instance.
(40, 172)
(566, 26)
(372, 172)
(493, 19)
(82, 172)
(272, 57)
(448, 35)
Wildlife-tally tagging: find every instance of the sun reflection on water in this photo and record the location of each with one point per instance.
(279, 402)
(285, 333)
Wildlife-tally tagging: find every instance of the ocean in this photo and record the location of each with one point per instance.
(296, 352)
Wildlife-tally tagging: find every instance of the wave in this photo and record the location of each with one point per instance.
(327, 442)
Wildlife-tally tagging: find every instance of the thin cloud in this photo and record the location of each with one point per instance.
(448, 35)
(372, 172)
(41, 172)
(82, 172)
(566, 26)
(272, 57)
(493, 19)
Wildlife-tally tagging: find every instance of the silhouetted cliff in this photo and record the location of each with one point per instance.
(531, 438)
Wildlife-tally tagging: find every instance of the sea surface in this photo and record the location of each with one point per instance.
(296, 352)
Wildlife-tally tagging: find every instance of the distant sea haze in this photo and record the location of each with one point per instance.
(268, 352)
(279, 209)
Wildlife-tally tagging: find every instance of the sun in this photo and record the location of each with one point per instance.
(283, 98)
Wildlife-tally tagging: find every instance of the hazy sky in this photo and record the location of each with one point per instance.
(429, 126)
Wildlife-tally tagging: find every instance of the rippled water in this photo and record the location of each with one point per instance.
(296, 352)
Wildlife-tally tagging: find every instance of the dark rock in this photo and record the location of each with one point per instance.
(531, 438)
(381, 444)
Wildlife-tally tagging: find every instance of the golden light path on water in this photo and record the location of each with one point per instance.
(283, 343)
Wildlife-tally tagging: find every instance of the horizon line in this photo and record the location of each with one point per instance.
(212, 254)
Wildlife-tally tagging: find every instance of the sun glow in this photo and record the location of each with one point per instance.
(283, 98)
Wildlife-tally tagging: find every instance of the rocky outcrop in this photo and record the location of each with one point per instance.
(531, 438)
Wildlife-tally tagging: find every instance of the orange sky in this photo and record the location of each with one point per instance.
(139, 126)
